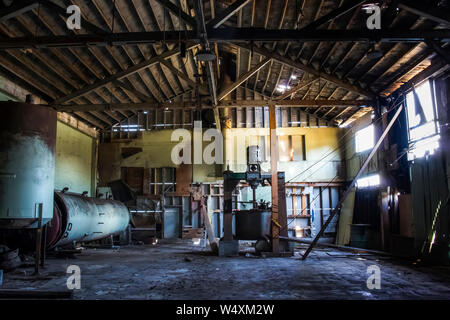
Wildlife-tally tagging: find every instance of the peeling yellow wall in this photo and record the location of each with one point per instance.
(318, 143)
(156, 152)
(74, 161)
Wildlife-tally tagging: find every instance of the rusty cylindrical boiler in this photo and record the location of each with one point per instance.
(27, 164)
(78, 218)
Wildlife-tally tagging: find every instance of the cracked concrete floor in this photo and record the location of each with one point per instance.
(180, 270)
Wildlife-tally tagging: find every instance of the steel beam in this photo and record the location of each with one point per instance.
(223, 104)
(229, 34)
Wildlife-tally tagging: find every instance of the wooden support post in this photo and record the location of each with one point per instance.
(274, 170)
(352, 184)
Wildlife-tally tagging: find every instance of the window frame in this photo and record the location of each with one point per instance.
(373, 138)
(412, 142)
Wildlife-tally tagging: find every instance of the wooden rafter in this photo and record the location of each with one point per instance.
(310, 70)
(230, 88)
(227, 13)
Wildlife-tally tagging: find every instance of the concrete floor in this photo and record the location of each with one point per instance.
(181, 270)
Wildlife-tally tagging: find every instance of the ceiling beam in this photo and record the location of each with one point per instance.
(299, 87)
(17, 8)
(320, 74)
(119, 75)
(340, 113)
(436, 67)
(227, 13)
(439, 50)
(182, 75)
(135, 92)
(192, 105)
(227, 90)
(229, 34)
(62, 11)
(435, 14)
(177, 11)
(333, 15)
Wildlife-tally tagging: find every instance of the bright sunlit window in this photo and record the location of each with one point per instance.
(369, 181)
(364, 139)
(423, 133)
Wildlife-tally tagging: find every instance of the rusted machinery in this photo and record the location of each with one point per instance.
(254, 224)
(27, 197)
(78, 218)
(27, 164)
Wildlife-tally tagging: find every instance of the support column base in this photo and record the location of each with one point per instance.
(228, 248)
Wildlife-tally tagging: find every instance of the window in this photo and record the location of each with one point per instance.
(369, 181)
(365, 139)
(423, 133)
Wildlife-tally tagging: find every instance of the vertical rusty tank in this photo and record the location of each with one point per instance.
(27, 164)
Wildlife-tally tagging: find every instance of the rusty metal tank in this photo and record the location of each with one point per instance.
(253, 224)
(27, 164)
(78, 218)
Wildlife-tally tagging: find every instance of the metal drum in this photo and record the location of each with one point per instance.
(27, 164)
(253, 224)
(78, 218)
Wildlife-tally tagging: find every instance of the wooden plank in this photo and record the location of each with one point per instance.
(274, 182)
(209, 229)
(184, 179)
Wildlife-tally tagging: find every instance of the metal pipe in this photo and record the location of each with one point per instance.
(79, 218)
